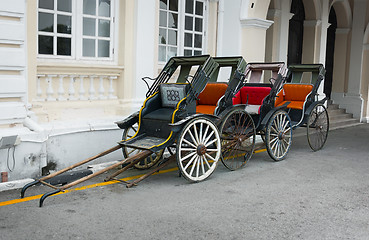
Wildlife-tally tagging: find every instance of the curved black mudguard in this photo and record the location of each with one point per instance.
(310, 108)
(271, 112)
(129, 121)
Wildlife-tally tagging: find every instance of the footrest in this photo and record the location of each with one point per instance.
(145, 143)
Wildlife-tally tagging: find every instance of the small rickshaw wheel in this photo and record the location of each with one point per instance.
(317, 127)
(278, 135)
(198, 149)
(146, 162)
(237, 134)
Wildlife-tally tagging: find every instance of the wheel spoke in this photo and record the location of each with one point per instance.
(194, 164)
(192, 137)
(198, 167)
(202, 165)
(207, 139)
(189, 143)
(211, 142)
(187, 156)
(196, 135)
(201, 136)
(189, 162)
(206, 154)
(188, 149)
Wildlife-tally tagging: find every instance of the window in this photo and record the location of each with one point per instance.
(181, 28)
(73, 29)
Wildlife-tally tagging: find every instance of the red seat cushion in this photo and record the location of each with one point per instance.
(255, 95)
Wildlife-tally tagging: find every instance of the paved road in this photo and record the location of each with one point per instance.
(310, 195)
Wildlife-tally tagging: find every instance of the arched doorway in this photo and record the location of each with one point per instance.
(329, 59)
(296, 32)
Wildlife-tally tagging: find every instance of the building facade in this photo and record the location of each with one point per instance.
(70, 68)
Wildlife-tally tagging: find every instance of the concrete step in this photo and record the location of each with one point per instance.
(337, 117)
(341, 123)
(333, 106)
(332, 112)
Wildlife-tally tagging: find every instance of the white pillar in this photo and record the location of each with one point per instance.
(146, 47)
(284, 30)
(253, 39)
(354, 100)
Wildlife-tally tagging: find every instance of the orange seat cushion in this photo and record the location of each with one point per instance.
(206, 109)
(293, 104)
(209, 97)
(295, 94)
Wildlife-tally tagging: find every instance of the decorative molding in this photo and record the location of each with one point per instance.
(256, 23)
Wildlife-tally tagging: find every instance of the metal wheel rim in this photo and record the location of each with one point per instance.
(194, 166)
(279, 135)
(146, 162)
(318, 127)
(237, 138)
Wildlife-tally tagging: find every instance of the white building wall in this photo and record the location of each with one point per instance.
(13, 62)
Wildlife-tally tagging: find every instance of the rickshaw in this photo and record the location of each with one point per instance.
(249, 105)
(305, 107)
(167, 117)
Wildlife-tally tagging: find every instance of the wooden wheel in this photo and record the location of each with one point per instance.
(146, 162)
(317, 127)
(278, 135)
(238, 138)
(198, 149)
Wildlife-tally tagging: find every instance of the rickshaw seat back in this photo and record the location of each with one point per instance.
(254, 96)
(209, 97)
(170, 95)
(295, 94)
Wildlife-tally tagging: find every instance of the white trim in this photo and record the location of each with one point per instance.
(11, 14)
(256, 23)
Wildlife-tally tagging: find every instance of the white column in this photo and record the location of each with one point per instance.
(253, 39)
(353, 97)
(145, 48)
(284, 30)
(324, 27)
